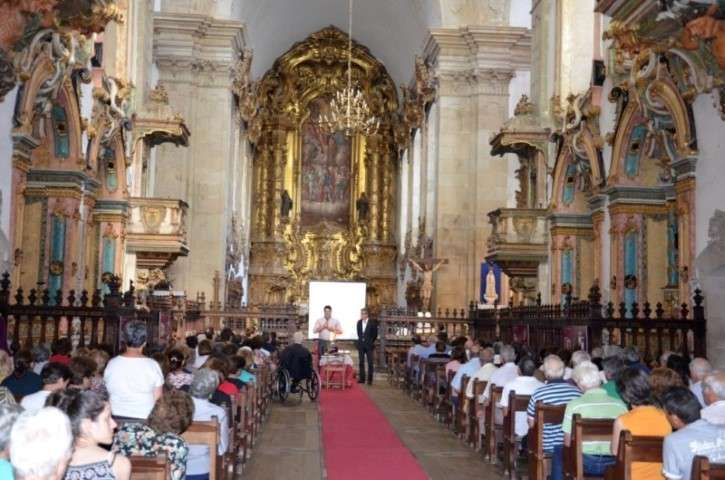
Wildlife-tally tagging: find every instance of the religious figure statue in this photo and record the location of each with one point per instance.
(491, 296)
(427, 268)
(286, 205)
(363, 206)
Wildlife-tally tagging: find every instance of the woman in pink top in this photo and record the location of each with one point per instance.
(458, 358)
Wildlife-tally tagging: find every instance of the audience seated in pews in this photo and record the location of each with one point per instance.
(161, 433)
(23, 380)
(82, 370)
(612, 366)
(483, 374)
(92, 426)
(681, 365)
(577, 358)
(55, 377)
(643, 418)
(505, 373)
(61, 349)
(41, 444)
(178, 376)
(100, 357)
(699, 369)
(524, 384)
(440, 350)
(203, 385)
(468, 369)
(416, 349)
(556, 391)
(705, 436)
(593, 403)
(662, 379)
(458, 358)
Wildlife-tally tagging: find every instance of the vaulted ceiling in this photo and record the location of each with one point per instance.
(393, 30)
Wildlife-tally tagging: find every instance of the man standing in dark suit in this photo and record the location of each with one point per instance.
(367, 333)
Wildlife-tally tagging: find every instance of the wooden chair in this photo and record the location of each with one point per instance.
(491, 428)
(150, 468)
(516, 403)
(634, 449)
(702, 469)
(540, 462)
(584, 430)
(474, 407)
(445, 406)
(207, 433)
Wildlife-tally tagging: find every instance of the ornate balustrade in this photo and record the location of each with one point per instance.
(156, 231)
(282, 319)
(518, 241)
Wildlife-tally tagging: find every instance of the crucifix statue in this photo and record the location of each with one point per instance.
(427, 267)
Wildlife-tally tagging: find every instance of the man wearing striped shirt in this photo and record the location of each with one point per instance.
(556, 391)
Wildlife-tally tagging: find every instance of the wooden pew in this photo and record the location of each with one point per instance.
(445, 406)
(207, 433)
(461, 412)
(634, 449)
(150, 468)
(414, 376)
(702, 469)
(584, 430)
(539, 462)
(491, 428)
(516, 403)
(474, 407)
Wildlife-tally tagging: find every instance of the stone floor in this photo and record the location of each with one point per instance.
(290, 447)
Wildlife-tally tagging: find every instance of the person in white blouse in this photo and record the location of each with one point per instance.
(203, 385)
(55, 377)
(325, 327)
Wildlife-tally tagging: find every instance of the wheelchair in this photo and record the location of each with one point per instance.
(282, 386)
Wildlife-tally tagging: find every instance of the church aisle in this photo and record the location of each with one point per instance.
(437, 450)
(359, 442)
(289, 445)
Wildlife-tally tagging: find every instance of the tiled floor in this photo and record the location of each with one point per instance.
(289, 446)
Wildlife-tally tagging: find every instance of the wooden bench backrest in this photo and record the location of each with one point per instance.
(553, 414)
(585, 430)
(702, 469)
(150, 468)
(634, 449)
(517, 403)
(205, 433)
(464, 384)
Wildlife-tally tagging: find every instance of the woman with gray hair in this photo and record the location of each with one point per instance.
(41, 444)
(133, 380)
(8, 415)
(203, 385)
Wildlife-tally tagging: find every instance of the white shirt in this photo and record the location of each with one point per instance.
(468, 368)
(35, 401)
(503, 375)
(482, 375)
(197, 463)
(199, 361)
(333, 324)
(131, 382)
(522, 386)
(364, 325)
(696, 389)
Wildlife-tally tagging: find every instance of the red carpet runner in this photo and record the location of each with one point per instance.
(359, 442)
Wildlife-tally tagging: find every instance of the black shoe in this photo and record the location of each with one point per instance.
(370, 382)
(361, 381)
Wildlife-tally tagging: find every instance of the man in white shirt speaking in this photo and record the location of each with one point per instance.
(325, 327)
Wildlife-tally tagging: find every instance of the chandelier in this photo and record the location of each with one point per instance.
(349, 112)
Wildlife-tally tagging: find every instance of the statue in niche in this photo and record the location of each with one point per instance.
(286, 205)
(363, 206)
(426, 268)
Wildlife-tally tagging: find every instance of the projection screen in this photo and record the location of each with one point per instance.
(346, 300)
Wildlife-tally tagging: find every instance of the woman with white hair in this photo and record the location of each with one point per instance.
(41, 444)
(594, 403)
(8, 414)
(203, 385)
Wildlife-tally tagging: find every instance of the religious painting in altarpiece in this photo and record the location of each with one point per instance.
(326, 169)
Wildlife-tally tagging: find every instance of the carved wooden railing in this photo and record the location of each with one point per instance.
(281, 319)
(40, 318)
(546, 326)
(396, 327)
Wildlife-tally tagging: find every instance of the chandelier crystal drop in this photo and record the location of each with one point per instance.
(349, 112)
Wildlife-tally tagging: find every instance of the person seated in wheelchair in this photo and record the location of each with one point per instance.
(297, 360)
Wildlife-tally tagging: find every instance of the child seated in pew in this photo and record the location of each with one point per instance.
(161, 433)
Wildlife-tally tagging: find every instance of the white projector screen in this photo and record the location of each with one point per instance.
(346, 300)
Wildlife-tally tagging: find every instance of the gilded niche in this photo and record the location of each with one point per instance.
(323, 203)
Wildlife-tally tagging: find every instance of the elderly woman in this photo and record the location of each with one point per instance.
(101, 358)
(160, 434)
(134, 381)
(92, 426)
(8, 415)
(41, 444)
(203, 385)
(642, 419)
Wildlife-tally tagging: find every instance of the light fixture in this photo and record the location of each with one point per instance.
(349, 112)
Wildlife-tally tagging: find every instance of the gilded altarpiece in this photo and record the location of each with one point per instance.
(323, 203)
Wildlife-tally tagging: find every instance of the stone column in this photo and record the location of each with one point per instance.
(194, 54)
(474, 66)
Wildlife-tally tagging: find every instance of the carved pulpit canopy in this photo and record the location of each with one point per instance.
(522, 132)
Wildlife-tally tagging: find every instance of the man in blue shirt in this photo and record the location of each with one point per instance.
(469, 369)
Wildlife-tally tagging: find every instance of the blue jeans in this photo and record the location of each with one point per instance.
(203, 476)
(557, 463)
(595, 465)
